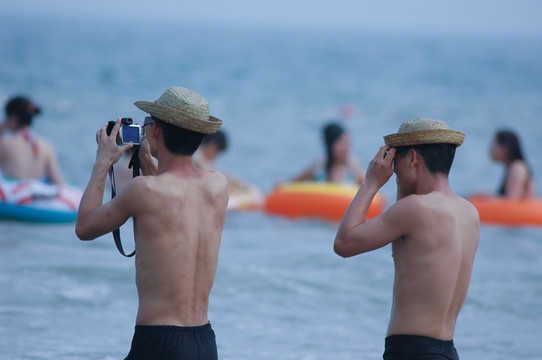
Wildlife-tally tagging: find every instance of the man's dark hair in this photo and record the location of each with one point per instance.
(219, 138)
(437, 157)
(178, 140)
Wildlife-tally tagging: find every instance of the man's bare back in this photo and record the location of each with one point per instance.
(433, 264)
(178, 220)
(177, 239)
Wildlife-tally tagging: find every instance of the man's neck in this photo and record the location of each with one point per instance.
(430, 182)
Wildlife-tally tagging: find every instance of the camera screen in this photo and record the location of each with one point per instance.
(130, 134)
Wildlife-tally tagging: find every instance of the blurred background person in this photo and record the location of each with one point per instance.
(518, 180)
(23, 154)
(338, 166)
(211, 146)
(243, 196)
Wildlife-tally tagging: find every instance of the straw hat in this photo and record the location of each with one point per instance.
(184, 108)
(424, 131)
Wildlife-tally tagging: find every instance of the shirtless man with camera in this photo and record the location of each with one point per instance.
(434, 235)
(178, 213)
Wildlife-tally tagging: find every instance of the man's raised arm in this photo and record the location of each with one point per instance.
(89, 221)
(356, 235)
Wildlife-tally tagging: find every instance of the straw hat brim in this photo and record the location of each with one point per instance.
(433, 136)
(180, 118)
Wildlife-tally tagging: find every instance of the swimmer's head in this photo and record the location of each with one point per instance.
(22, 110)
(218, 138)
(334, 135)
(509, 140)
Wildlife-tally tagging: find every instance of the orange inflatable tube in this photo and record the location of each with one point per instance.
(507, 212)
(320, 200)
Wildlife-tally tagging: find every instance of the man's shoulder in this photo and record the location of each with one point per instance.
(209, 179)
(217, 185)
(437, 205)
(215, 177)
(140, 185)
(420, 206)
(414, 202)
(409, 211)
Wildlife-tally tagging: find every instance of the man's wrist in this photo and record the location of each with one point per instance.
(101, 167)
(370, 186)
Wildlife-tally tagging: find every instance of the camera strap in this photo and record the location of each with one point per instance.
(134, 164)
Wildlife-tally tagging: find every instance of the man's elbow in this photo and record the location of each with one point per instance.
(341, 249)
(83, 233)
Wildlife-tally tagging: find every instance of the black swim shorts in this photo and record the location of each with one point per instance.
(406, 347)
(165, 342)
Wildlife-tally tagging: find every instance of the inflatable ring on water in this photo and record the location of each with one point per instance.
(34, 214)
(507, 212)
(36, 201)
(248, 198)
(320, 200)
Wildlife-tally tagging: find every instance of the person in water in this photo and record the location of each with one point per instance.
(211, 147)
(338, 166)
(242, 195)
(23, 154)
(178, 212)
(434, 235)
(518, 181)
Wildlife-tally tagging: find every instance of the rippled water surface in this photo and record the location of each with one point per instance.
(280, 291)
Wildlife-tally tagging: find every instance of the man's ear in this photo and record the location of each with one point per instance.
(156, 129)
(414, 158)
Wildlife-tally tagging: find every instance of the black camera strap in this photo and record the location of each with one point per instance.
(134, 164)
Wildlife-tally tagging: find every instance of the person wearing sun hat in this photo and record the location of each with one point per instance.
(178, 211)
(434, 235)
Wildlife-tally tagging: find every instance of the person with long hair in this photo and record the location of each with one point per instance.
(338, 166)
(518, 180)
(23, 154)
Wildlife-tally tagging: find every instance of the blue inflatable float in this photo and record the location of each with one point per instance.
(35, 201)
(33, 214)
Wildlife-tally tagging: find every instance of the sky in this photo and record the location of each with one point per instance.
(500, 17)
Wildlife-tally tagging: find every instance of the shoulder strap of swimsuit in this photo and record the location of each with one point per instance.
(320, 171)
(30, 137)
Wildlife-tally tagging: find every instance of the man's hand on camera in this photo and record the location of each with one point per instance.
(108, 151)
(145, 148)
(146, 161)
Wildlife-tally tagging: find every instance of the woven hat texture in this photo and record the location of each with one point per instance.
(184, 108)
(424, 131)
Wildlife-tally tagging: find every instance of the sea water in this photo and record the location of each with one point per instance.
(280, 291)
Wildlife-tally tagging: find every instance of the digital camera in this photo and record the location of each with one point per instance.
(129, 133)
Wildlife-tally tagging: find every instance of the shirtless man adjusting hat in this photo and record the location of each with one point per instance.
(178, 213)
(434, 235)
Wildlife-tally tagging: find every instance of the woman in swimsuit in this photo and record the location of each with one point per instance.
(23, 154)
(518, 181)
(338, 166)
